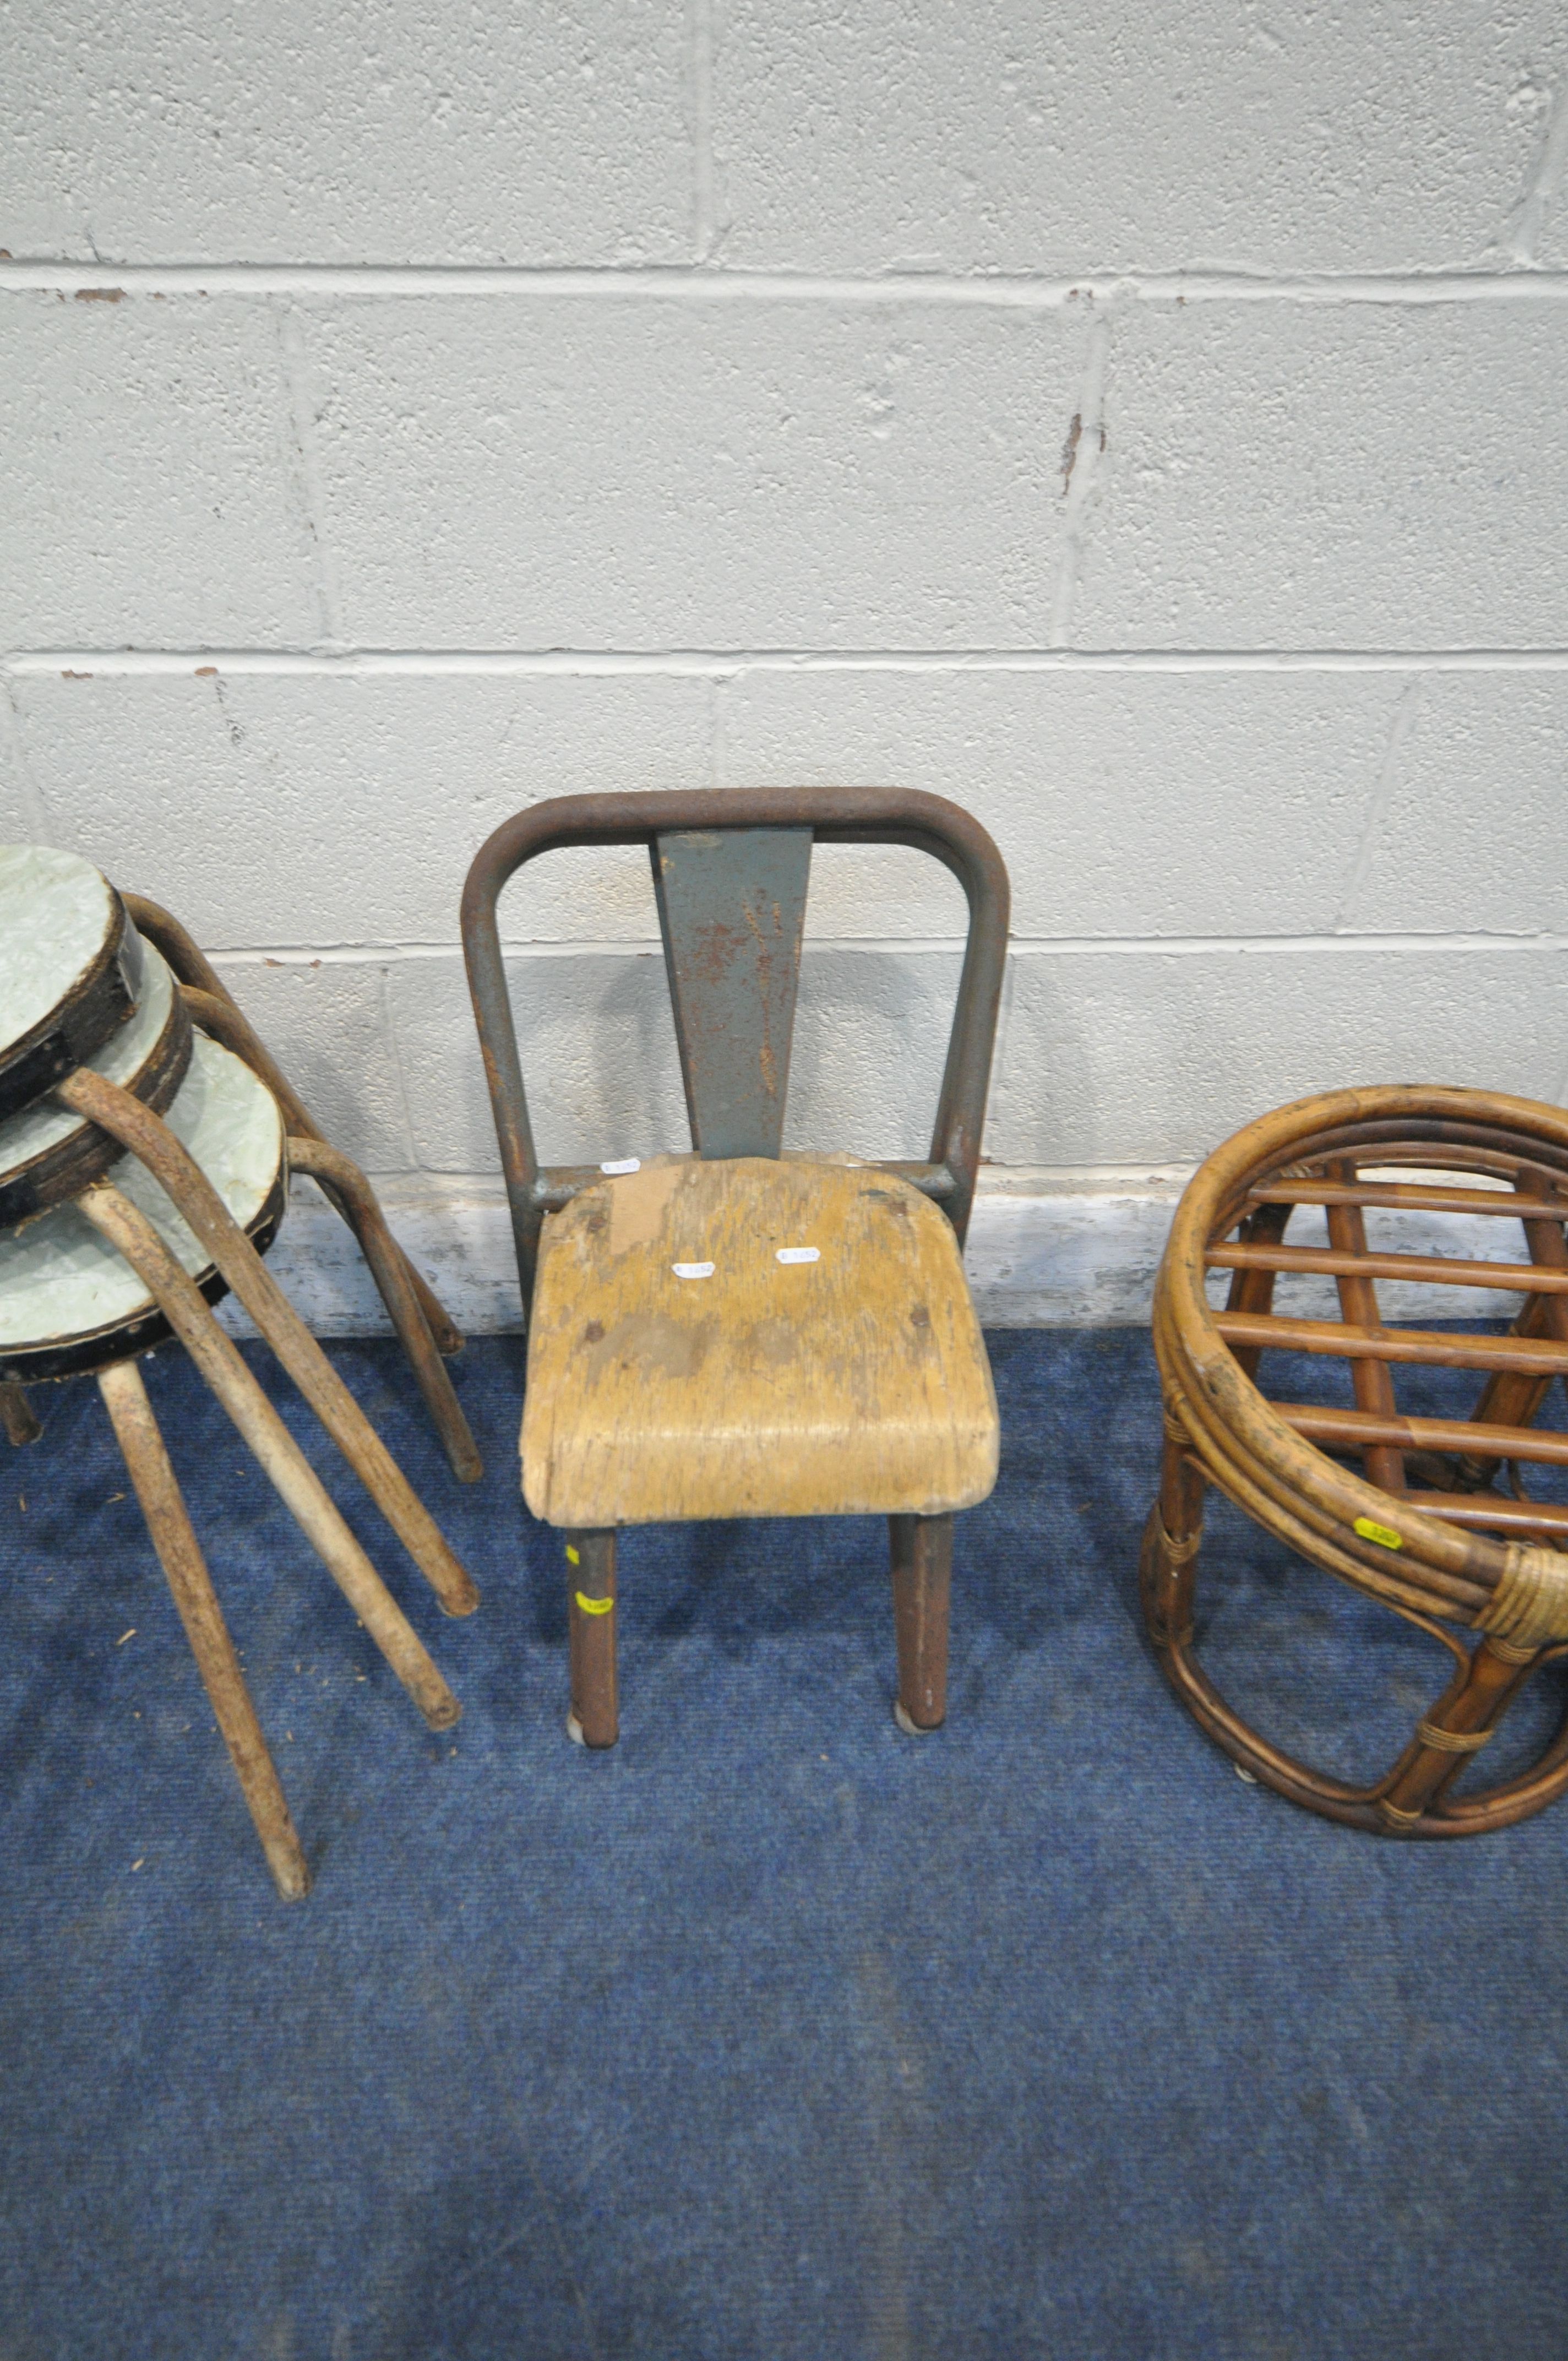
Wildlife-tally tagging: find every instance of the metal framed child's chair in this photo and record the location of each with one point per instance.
(739, 1333)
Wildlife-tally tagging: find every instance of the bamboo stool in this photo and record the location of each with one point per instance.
(95, 1272)
(1405, 1509)
(742, 1333)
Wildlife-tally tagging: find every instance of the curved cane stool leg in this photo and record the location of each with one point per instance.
(1508, 1399)
(170, 1163)
(1378, 1809)
(288, 1470)
(1410, 1800)
(1462, 1722)
(18, 1416)
(179, 1554)
(920, 1551)
(594, 1717)
(1171, 1542)
(355, 1200)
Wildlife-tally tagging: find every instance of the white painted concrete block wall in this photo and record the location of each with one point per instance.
(1146, 426)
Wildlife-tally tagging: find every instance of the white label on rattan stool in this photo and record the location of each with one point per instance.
(798, 1254)
(691, 1269)
(624, 1164)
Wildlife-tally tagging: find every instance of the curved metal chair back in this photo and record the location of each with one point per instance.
(730, 868)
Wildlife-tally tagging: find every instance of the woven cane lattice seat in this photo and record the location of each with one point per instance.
(1429, 1515)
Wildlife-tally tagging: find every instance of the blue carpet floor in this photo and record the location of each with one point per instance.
(774, 2032)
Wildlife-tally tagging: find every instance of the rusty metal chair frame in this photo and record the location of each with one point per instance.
(832, 816)
(1418, 1526)
(731, 1110)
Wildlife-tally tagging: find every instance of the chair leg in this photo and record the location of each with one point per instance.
(352, 1197)
(179, 1553)
(922, 1554)
(281, 1460)
(18, 1416)
(593, 1720)
(150, 1140)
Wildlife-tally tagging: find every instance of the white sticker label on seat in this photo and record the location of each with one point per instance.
(691, 1269)
(799, 1254)
(625, 1164)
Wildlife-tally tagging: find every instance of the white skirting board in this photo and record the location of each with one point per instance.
(1036, 1258)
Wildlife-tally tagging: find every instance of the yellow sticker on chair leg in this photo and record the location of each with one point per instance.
(572, 1556)
(1370, 1531)
(594, 1606)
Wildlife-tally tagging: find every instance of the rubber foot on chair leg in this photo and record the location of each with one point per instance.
(913, 1728)
(574, 1731)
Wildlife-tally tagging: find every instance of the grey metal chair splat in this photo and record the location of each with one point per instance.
(732, 913)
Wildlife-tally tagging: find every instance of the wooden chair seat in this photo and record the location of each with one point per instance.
(678, 1368)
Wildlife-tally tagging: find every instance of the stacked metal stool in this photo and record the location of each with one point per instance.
(145, 1144)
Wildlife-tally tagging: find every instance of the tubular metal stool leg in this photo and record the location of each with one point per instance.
(152, 1142)
(285, 1466)
(214, 1007)
(179, 1554)
(18, 1416)
(355, 1200)
(595, 1718)
(216, 1013)
(921, 1551)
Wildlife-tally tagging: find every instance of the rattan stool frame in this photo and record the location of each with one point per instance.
(1407, 1513)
